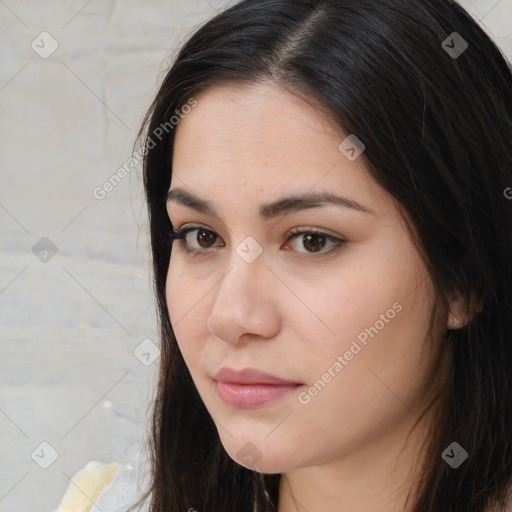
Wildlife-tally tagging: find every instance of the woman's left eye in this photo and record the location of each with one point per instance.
(315, 241)
(312, 240)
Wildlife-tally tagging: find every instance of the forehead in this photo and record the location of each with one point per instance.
(245, 121)
(260, 140)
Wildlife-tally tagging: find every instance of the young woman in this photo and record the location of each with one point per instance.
(329, 185)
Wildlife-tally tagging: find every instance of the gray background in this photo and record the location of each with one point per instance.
(72, 322)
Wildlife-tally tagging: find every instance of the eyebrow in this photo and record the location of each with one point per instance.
(283, 206)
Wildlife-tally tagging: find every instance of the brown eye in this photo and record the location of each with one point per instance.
(314, 242)
(200, 243)
(205, 238)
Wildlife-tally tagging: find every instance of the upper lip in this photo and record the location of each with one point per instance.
(249, 376)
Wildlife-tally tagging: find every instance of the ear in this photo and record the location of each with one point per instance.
(459, 315)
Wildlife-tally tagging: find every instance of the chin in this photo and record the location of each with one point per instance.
(251, 454)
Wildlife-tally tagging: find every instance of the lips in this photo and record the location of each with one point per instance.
(251, 388)
(250, 376)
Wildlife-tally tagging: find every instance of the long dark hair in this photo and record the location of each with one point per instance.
(436, 120)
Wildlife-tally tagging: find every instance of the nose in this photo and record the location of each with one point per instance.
(245, 305)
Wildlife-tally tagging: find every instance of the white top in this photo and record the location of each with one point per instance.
(124, 490)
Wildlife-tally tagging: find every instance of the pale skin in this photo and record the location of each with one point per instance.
(291, 312)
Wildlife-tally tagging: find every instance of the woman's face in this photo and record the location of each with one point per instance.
(346, 321)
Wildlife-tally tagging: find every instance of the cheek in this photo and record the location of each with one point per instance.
(376, 318)
(182, 291)
(380, 357)
(187, 304)
(345, 306)
(174, 289)
(378, 381)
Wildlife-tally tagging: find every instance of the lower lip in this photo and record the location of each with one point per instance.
(245, 396)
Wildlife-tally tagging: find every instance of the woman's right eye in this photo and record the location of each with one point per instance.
(204, 238)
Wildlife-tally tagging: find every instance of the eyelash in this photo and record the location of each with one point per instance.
(180, 235)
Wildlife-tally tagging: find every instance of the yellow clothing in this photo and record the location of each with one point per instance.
(86, 486)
